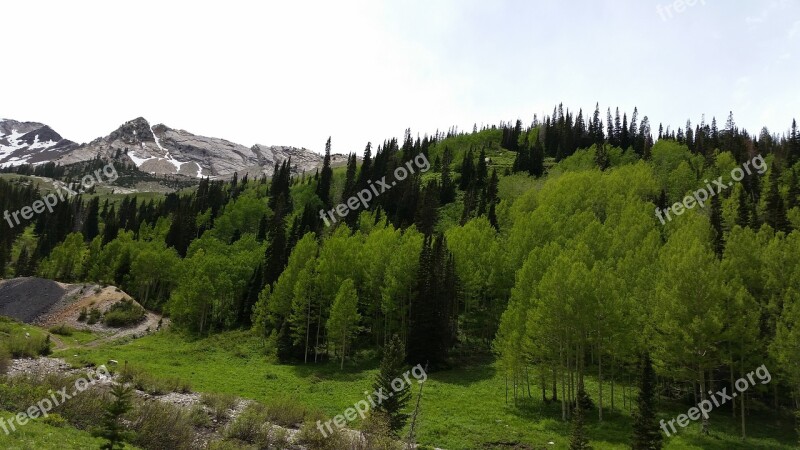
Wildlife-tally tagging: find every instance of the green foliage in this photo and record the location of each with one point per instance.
(646, 432)
(392, 368)
(157, 424)
(124, 314)
(343, 321)
(113, 430)
(62, 330)
(220, 404)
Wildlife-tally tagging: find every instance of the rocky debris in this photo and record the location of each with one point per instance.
(25, 299)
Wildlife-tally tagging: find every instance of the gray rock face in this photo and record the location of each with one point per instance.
(28, 142)
(162, 150)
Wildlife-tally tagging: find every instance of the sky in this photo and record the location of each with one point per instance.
(294, 73)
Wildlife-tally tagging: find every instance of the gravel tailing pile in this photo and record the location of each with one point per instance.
(25, 299)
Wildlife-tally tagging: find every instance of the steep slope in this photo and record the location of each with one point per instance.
(158, 150)
(29, 142)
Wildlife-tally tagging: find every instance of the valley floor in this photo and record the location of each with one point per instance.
(463, 408)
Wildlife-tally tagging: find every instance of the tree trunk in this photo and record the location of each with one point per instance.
(613, 368)
(702, 374)
(600, 382)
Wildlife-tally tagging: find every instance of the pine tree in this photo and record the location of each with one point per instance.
(467, 171)
(536, 167)
(646, 434)
(325, 177)
(113, 430)
(392, 368)
(365, 173)
(742, 210)
(775, 214)
(350, 178)
(91, 226)
(578, 439)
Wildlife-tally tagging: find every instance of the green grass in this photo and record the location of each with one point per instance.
(38, 435)
(461, 409)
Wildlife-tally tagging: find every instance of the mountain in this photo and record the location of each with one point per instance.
(29, 142)
(156, 149)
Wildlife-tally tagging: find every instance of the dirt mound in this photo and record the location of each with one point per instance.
(26, 299)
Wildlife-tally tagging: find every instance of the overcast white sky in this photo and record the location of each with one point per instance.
(292, 73)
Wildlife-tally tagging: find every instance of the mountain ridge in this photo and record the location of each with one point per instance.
(156, 149)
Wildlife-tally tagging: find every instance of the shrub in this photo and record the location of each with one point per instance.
(94, 316)
(22, 346)
(146, 382)
(220, 404)
(83, 315)
(376, 433)
(286, 411)
(5, 360)
(199, 417)
(159, 425)
(313, 439)
(248, 426)
(229, 444)
(54, 420)
(123, 314)
(62, 330)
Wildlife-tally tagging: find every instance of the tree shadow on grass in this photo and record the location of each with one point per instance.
(465, 376)
(331, 371)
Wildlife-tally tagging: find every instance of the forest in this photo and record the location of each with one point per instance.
(531, 244)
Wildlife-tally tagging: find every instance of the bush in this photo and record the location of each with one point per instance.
(143, 381)
(5, 360)
(376, 432)
(159, 425)
(220, 404)
(23, 346)
(94, 316)
(62, 330)
(199, 417)
(54, 420)
(249, 425)
(286, 411)
(313, 439)
(123, 314)
(83, 315)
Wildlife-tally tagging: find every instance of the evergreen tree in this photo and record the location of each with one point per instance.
(113, 430)
(365, 173)
(775, 213)
(646, 434)
(536, 167)
(578, 439)
(392, 368)
(467, 171)
(350, 178)
(432, 326)
(91, 226)
(325, 177)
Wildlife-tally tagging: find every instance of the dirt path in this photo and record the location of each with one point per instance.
(149, 325)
